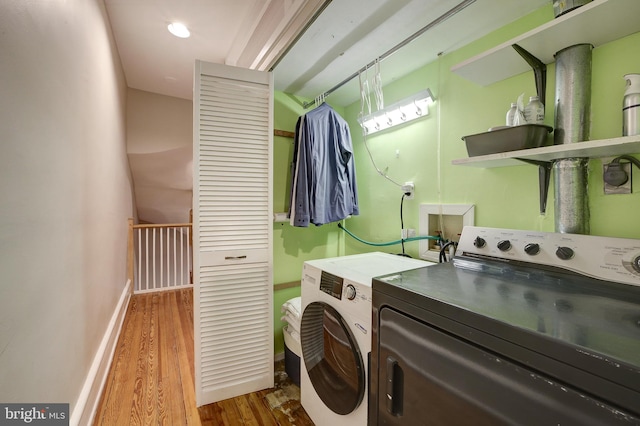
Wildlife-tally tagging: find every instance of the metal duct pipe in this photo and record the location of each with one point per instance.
(572, 123)
(571, 201)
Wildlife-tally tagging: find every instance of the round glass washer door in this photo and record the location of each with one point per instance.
(332, 358)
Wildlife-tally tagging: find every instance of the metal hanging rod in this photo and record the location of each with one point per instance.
(397, 47)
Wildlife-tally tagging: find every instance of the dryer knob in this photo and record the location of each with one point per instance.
(350, 292)
(532, 249)
(479, 242)
(504, 245)
(565, 253)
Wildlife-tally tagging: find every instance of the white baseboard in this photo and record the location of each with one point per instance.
(278, 357)
(85, 408)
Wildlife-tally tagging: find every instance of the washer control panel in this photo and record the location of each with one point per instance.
(321, 286)
(350, 292)
(605, 258)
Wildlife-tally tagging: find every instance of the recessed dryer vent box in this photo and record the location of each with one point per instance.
(442, 219)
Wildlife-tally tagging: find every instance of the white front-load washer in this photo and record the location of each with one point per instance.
(335, 334)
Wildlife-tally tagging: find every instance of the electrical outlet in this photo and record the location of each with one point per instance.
(407, 233)
(622, 189)
(409, 188)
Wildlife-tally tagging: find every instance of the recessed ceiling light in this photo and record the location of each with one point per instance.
(178, 30)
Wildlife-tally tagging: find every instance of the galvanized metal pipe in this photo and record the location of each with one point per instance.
(572, 125)
(573, 94)
(571, 196)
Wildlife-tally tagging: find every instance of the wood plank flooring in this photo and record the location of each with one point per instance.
(151, 380)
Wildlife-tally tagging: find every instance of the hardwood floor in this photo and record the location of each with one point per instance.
(151, 380)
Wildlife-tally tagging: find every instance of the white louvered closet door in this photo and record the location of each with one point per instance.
(232, 253)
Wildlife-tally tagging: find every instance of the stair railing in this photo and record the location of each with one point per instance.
(159, 256)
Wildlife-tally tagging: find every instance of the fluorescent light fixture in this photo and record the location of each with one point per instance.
(401, 112)
(178, 30)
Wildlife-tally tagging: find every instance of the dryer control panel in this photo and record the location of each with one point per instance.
(605, 258)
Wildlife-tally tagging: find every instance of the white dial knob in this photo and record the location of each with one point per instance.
(350, 292)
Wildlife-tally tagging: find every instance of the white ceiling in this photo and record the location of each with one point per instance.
(346, 36)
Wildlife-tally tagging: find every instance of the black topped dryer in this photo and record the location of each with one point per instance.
(522, 327)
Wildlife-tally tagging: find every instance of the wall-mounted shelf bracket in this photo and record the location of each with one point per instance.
(539, 72)
(544, 176)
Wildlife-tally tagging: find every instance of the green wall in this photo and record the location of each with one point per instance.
(292, 245)
(505, 197)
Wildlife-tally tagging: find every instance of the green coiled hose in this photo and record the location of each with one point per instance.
(389, 243)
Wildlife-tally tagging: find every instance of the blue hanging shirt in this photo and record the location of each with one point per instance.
(324, 180)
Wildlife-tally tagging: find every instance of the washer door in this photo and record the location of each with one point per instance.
(332, 358)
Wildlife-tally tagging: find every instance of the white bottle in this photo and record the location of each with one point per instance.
(631, 106)
(511, 114)
(534, 111)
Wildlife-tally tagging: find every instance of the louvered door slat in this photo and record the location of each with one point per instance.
(232, 232)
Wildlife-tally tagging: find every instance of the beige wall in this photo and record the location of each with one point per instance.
(159, 143)
(65, 194)
(157, 123)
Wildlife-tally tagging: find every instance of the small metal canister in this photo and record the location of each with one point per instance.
(561, 7)
(631, 106)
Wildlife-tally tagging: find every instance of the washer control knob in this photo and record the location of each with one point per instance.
(565, 253)
(504, 245)
(479, 242)
(635, 263)
(350, 292)
(532, 249)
